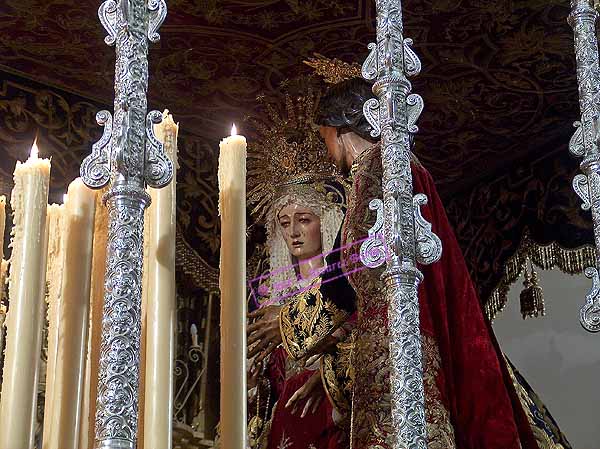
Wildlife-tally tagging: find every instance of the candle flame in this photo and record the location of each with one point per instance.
(35, 151)
(233, 130)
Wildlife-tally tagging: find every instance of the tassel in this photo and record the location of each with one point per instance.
(532, 298)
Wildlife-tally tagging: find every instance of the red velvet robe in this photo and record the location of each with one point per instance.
(290, 431)
(470, 399)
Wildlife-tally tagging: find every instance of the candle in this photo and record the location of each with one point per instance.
(232, 208)
(54, 267)
(71, 316)
(88, 406)
(194, 332)
(2, 224)
(3, 272)
(26, 291)
(160, 303)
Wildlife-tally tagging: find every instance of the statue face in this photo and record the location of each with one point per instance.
(335, 149)
(301, 229)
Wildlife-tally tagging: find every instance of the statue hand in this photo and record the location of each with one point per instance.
(311, 393)
(265, 331)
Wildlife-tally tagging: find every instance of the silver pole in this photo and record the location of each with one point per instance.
(129, 157)
(584, 142)
(406, 235)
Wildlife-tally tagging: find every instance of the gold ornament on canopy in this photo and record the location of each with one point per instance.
(333, 71)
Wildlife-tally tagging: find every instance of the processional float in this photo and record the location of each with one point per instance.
(407, 237)
(586, 139)
(129, 157)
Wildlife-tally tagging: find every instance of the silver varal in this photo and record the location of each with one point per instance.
(407, 237)
(584, 142)
(128, 157)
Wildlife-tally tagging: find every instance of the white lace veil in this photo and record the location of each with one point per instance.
(323, 201)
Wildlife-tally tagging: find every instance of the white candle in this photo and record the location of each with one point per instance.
(72, 318)
(3, 273)
(26, 291)
(2, 224)
(88, 406)
(232, 208)
(160, 302)
(54, 267)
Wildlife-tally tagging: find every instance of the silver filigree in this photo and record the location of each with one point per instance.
(158, 168)
(415, 105)
(372, 251)
(589, 315)
(117, 404)
(95, 170)
(371, 113)
(406, 233)
(429, 245)
(576, 145)
(582, 188)
(584, 142)
(158, 14)
(107, 12)
(406, 376)
(129, 157)
(412, 63)
(369, 67)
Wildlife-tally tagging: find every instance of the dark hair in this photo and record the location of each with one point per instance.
(342, 107)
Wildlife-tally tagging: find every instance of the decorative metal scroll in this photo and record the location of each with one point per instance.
(129, 157)
(189, 369)
(585, 141)
(407, 236)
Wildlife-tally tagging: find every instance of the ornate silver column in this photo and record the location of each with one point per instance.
(129, 157)
(584, 142)
(406, 235)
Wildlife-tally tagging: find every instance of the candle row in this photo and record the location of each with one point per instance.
(54, 250)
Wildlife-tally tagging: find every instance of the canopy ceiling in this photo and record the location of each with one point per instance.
(498, 77)
(498, 82)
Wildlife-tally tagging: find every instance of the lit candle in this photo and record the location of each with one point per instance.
(26, 292)
(71, 315)
(159, 299)
(232, 208)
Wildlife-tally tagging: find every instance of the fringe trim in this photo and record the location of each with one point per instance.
(190, 263)
(546, 257)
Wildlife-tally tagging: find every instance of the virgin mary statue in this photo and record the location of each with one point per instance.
(295, 193)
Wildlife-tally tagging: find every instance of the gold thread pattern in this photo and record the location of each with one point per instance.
(307, 320)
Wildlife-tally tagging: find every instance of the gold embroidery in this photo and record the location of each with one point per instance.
(542, 438)
(307, 320)
(371, 425)
(285, 442)
(440, 433)
(337, 374)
